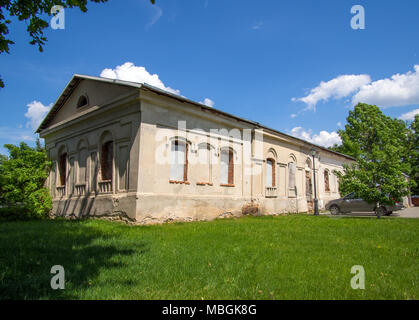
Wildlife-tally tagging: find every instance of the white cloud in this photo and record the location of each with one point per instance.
(339, 124)
(208, 102)
(36, 113)
(399, 90)
(293, 115)
(130, 72)
(324, 138)
(337, 88)
(409, 116)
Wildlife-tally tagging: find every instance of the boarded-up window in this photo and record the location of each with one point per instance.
(71, 174)
(204, 163)
(309, 188)
(106, 161)
(179, 161)
(270, 173)
(326, 180)
(93, 170)
(291, 175)
(81, 175)
(123, 156)
(227, 167)
(63, 168)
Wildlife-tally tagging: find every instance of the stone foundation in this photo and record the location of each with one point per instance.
(150, 209)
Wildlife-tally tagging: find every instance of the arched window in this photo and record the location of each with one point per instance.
(227, 167)
(82, 162)
(82, 101)
(291, 174)
(326, 181)
(179, 161)
(309, 184)
(270, 173)
(62, 169)
(106, 161)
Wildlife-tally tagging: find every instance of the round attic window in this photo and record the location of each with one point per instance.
(82, 101)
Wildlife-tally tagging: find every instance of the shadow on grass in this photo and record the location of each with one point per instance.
(28, 250)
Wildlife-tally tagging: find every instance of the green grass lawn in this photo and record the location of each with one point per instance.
(287, 257)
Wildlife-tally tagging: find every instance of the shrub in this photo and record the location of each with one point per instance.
(22, 177)
(39, 203)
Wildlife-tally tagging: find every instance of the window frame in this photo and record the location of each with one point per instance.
(106, 163)
(294, 175)
(273, 173)
(62, 169)
(326, 174)
(209, 152)
(230, 168)
(176, 142)
(85, 98)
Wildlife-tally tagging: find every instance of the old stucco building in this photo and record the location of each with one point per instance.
(133, 151)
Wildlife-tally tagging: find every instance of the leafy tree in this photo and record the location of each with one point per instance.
(22, 177)
(381, 150)
(414, 147)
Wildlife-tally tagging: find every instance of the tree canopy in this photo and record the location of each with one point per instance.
(414, 158)
(22, 177)
(382, 150)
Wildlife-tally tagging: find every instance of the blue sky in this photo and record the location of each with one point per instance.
(293, 65)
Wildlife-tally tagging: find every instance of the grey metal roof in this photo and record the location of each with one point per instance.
(77, 78)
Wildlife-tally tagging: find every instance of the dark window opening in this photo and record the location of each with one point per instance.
(82, 102)
(106, 161)
(63, 169)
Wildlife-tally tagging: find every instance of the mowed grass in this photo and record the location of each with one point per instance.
(284, 257)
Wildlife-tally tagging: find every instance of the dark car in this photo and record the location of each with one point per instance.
(351, 203)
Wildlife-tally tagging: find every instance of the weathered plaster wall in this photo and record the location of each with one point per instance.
(143, 125)
(82, 136)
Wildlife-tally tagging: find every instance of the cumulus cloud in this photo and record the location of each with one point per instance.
(324, 138)
(293, 115)
(399, 90)
(337, 88)
(130, 72)
(409, 116)
(208, 102)
(36, 113)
